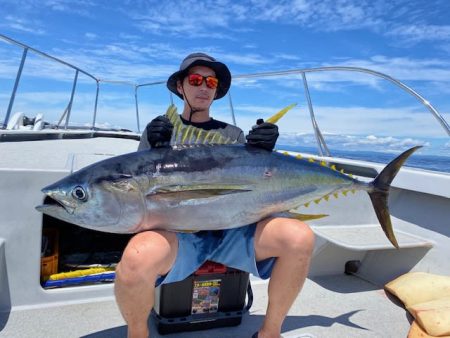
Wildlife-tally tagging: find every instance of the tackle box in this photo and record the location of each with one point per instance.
(213, 296)
(49, 252)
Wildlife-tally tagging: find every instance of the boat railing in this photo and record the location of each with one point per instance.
(78, 70)
(321, 144)
(302, 73)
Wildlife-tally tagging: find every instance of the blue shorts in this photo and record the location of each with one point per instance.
(233, 248)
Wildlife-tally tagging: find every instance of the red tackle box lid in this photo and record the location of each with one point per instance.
(210, 267)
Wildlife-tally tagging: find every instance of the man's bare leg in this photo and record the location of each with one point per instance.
(147, 255)
(292, 242)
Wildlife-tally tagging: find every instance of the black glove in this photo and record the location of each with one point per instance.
(263, 135)
(159, 132)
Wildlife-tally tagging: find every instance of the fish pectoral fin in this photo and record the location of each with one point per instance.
(189, 192)
(213, 188)
(304, 217)
(180, 196)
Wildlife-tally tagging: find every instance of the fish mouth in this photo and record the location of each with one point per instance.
(52, 203)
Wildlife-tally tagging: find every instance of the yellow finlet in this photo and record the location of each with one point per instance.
(336, 195)
(285, 153)
(311, 160)
(333, 167)
(345, 192)
(298, 157)
(280, 114)
(206, 137)
(198, 136)
(178, 131)
(317, 200)
(326, 198)
(307, 204)
(188, 129)
(323, 163)
(213, 138)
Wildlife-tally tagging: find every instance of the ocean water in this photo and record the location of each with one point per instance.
(428, 162)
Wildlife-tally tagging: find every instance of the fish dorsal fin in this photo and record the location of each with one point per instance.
(188, 134)
(280, 114)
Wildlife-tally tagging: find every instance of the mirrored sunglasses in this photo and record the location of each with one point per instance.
(197, 80)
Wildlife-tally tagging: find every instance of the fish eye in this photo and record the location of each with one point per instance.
(79, 193)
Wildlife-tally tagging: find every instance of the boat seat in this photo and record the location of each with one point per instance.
(367, 237)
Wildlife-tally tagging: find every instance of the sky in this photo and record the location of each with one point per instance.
(126, 43)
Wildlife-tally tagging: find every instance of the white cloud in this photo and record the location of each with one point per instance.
(395, 18)
(90, 36)
(165, 18)
(419, 33)
(330, 15)
(399, 122)
(244, 59)
(80, 7)
(389, 142)
(405, 68)
(23, 25)
(353, 142)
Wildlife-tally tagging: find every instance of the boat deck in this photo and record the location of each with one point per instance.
(329, 306)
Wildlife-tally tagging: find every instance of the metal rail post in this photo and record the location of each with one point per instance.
(95, 105)
(319, 138)
(69, 108)
(16, 85)
(231, 107)
(137, 107)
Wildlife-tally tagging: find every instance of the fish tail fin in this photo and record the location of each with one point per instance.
(380, 192)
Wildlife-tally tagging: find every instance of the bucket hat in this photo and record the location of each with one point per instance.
(202, 59)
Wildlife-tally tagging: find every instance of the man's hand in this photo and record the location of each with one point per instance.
(159, 132)
(263, 135)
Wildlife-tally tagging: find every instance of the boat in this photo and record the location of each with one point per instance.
(352, 260)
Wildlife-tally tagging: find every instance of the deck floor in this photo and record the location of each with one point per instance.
(331, 306)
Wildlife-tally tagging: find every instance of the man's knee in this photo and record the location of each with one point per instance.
(300, 237)
(279, 236)
(147, 255)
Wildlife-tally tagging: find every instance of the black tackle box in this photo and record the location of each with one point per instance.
(214, 296)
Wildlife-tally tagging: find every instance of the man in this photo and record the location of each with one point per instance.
(278, 248)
